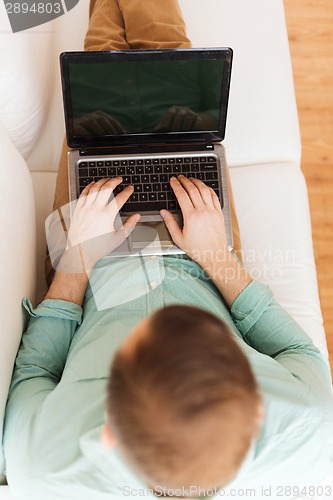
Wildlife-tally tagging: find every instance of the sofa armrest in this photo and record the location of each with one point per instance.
(17, 257)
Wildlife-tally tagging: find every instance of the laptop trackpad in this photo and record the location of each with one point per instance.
(152, 233)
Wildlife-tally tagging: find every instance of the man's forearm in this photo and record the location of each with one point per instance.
(67, 285)
(227, 274)
(70, 287)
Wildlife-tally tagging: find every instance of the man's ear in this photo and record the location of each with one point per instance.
(108, 438)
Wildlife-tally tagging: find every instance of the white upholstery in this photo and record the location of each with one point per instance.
(276, 239)
(263, 146)
(18, 270)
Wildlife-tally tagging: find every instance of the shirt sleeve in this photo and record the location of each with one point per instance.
(42, 356)
(269, 329)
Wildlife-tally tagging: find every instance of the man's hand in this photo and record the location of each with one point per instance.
(93, 226)
(91, 236)
(203, 236)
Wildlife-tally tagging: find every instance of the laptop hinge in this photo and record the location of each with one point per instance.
(148, 148)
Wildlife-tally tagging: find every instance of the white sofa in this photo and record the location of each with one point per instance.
(262, 144)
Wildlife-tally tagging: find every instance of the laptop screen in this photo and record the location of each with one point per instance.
(133, 97)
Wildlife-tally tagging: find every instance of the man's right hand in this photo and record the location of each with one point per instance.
(203, 236)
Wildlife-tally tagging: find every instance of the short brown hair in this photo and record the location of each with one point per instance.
(183, 405)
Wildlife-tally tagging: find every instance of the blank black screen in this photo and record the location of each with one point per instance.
(145, 97)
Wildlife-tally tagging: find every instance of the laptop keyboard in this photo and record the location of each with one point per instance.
(151, 178)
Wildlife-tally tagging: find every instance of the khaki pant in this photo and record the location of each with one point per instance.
(130, 24)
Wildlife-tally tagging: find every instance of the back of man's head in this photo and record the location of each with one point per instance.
(183, 404)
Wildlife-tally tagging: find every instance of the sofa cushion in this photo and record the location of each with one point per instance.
(272, 206)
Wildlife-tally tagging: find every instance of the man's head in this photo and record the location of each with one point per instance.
(182, 401)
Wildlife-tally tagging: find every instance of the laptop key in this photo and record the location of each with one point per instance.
(121, 171)
(208, 166)
(82, 164)
(157, 187)
(93, 171)
(92, 164)
(83, 172)
(100, 164)
(152, 196)
(212, 184)
(172, 205)
(195, 167)
(102, 172)
(154, 178)
(165, 186)
(130, 170)
(135, 179)
(143, 196)
(139, 170)
(162, 196)
(112, 171)
(85, 182)
(138, 188)
(211, 175)
(145, 179)
(141, 207)
(158, 169)
(127, 179)
(146, 188)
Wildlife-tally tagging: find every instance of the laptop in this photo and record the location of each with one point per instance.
(147, 115)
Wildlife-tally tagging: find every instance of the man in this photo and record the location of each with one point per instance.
(212, 385)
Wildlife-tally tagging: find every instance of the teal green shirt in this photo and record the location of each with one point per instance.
(56, 404)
